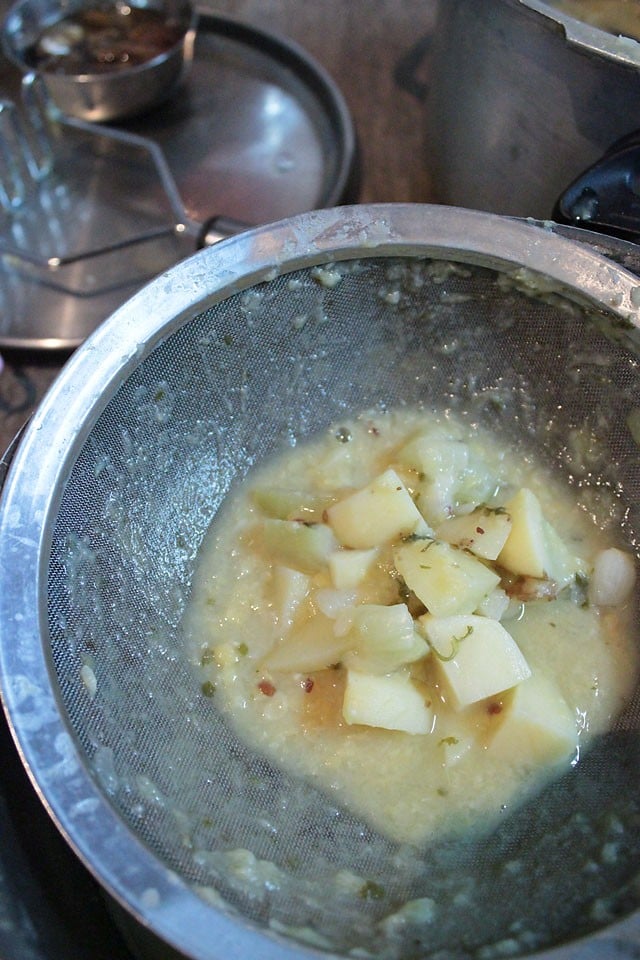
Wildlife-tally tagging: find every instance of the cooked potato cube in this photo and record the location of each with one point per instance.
(348, 568)
(312, 646)
(525, 550)
(302, 546)
(483, 531)
(379, 512)
(383, 638)
(533, 548)
(535, 724)
(393, 702)
(475, 657)
(447, 580)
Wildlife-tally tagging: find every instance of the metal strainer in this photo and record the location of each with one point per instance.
(247, 347)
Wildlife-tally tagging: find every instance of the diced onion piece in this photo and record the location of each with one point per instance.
(612, 579)
(312, 646)
(333, 602)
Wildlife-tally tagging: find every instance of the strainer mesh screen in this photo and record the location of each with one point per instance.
(256, 372)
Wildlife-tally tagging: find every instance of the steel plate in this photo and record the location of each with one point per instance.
(258, 132)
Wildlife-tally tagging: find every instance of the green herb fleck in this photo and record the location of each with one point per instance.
(208, 688)
(448, 742)
(371, 891)
(455, 646)
(243, 649)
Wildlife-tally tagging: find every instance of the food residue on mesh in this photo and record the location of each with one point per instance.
(423, 622)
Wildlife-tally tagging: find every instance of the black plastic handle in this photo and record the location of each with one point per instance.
(606, 197)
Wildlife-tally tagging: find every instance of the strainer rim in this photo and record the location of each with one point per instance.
(67, 414)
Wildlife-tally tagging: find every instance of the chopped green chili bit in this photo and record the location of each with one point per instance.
(455, 646)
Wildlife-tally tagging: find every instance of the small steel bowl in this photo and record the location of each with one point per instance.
(107, 94)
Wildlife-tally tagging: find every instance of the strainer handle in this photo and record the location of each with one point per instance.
(219, 228)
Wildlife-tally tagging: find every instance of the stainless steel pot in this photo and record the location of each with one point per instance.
(522, 99)
(207, 370)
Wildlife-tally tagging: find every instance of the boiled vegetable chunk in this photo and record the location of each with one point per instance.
(562, 564)
(312, 646)
(435, 452)
(448, 472)
(290, 588)
(375, 514)
(484, 531)
(284, 504)
(525, 551)
(612, 579)
(348, 568)
(475, 657)
(302, 546)
(382, 638)
(447, 580)
(478, 483)
(391, 701)
(536, 724)
(533, 548)
(495, 605)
